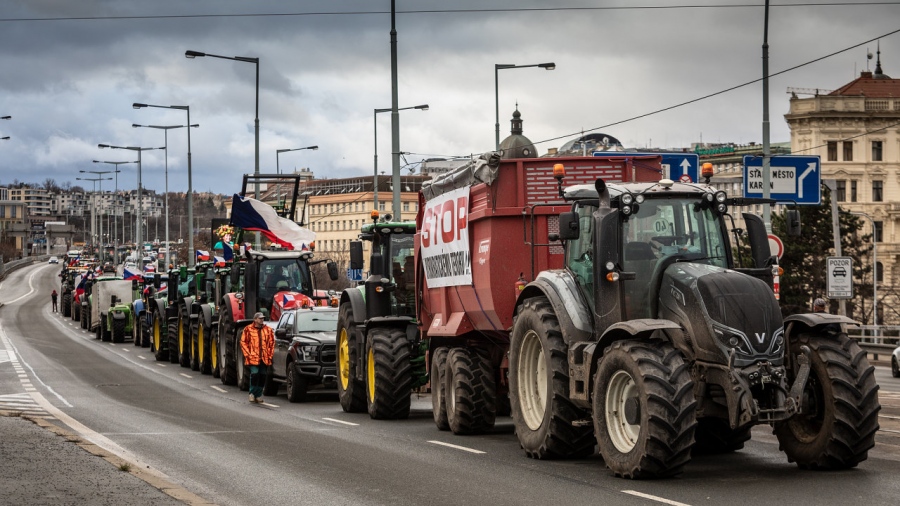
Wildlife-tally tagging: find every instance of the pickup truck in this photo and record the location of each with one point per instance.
(304, 352)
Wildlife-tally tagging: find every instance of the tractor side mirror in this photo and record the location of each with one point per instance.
(569, 228)
(356, 255)
(759, 239)
(332, 270)
(793, 222)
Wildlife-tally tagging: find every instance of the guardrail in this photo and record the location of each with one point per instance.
(7, 267)
(874, 341)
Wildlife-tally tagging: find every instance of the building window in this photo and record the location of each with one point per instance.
(381, 206)
(406, 207)
(852, 191)
(848, 151)
(877, 191)
(841, 192)
(879, 227)
(879, 273)
(876, 151)
(832, 151)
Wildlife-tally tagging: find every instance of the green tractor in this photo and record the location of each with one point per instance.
(374, 325)
(112, 320)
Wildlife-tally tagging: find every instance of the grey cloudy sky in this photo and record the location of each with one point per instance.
(325, 65)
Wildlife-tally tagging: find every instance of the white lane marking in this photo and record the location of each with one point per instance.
(219, 389)
(30, 288)
(161, 365)
(14, 358)
(142, 357)
(186, 375)
(335, 420)
(654, 498)
(125, 350)
(264, 403)
(457, 447)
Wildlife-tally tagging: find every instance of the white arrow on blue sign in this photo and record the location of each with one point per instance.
(354, 274)
(793, 178)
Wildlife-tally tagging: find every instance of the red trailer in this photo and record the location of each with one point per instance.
(479, 241)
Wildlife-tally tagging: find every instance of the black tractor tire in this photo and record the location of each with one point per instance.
(67, 305)
(184, 337)
(471, 394)
(503, 406)
(439, 388)
(137, 329)
(243, 370)
(146, 329)
(214, 351)
(388, 374)
(351, 391)
(201, 358)
(715, 436)
(118, 331)
(270, 388)
(296, 385)
(84, 322)
(644, 409)
(76, 312)
(105, 331)
(895, 368)
(160, 343)
(544, 425)
(840, 406)
(172, 339)
(227, 352)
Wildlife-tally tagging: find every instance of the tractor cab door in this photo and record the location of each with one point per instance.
(580, 252)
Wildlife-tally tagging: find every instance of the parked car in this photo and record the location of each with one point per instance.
(304, 352)
(895, 362)
(53, 260)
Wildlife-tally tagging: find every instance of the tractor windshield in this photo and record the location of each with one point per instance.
(662, 231)
(282, 274)
(403, 270)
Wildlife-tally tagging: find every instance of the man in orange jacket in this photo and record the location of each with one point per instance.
(258, 345)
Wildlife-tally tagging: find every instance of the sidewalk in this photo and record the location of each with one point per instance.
(41, 463)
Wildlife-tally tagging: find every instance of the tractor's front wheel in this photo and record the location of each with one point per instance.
(840, 406)
(160, 338)
(643, 409)
(184, 337)
(388, 374)
(351, 391)
(118, 331)
(227, 353)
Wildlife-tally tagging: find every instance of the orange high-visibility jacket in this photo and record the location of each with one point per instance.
(256, 344)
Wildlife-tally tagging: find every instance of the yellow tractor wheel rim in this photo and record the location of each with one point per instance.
(344, 359)
(156, 337)
(213, 354)
(200, 349)
(370, 372)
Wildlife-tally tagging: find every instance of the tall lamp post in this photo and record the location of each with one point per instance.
(497, 68)
(874, 267)
(195, 54)
(190, 203)
(165, 130)
(423, 107)
(6, 138)
(93, 181)
(139, 240)
(100, 174)
(279, 151)
(116, 206)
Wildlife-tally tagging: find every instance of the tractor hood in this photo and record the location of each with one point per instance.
(725, 312)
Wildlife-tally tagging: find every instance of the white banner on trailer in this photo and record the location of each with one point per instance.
(445, 240)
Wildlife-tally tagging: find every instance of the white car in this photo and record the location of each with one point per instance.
(895, 362)
(53, 260)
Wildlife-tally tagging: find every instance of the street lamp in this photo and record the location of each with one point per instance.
(279, 151)
(93, 203)
(116, 199)
(190, 202)
(195, 54)
(101, 173)
(7, 137)
(497, 68)
(423, 107)
(874, 267)
(165, 130)
(139, 243)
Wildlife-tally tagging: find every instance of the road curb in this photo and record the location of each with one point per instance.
(165, 486)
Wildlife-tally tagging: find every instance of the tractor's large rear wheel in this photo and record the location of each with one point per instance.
(388, 374)
(351, 391)
(160, 338)
(840, 406)
(201, 347)
(137, 327)
(643, 409)
(172, 333)
(67, 305)
(471, 395)
(76, 312)
(105, 331)
(214, 362)
(439, 388)
(539, 387)
(184, 337)
(227, 352)
(118, 330)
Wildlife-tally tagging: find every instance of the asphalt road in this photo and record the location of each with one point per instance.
(208, 438)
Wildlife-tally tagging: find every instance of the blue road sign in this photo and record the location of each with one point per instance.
(675, 165)
(793, 178)
(354, 274)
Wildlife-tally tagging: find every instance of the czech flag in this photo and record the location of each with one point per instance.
(202, 255)
(220, 262)
(251, 214)
(128, 275)
(227, 251)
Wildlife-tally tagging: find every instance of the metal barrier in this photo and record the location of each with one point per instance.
(873, 340)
